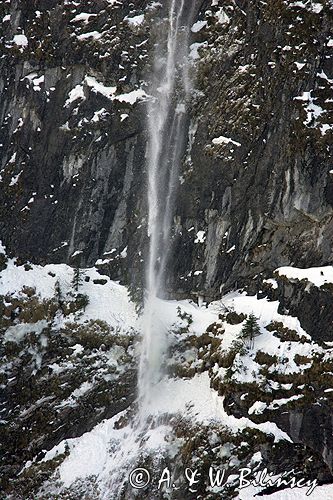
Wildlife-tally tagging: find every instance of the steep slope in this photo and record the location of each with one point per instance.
(68, 379)
(256, 183)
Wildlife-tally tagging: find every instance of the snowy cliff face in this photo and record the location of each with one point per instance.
(256, 188)
(68, 369)
(254, 204)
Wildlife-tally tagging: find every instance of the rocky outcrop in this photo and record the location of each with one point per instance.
(286, 378)
(312, 305)
(61, 372)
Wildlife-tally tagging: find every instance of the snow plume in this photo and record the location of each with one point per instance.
(167, 132)
(167, 120)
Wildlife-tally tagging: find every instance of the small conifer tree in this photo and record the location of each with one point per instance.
(250, 330)
(76, 278)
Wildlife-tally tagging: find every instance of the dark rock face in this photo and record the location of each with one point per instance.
(310, 426)
(263, 202)
(306, 426)
(312, 305)
(262, 195)
(82, 157)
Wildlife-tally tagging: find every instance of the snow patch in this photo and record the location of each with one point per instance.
(96, 35)
(100, 88)
(83, 16)
(198, 26)
(194, 50)
(193, 398)
(15, 178)
(16, 333)
(136, 20)
(200, 237)
(75, 94)
(20, 40)
(109, 303)
(225, 140)
(313, 111)
(222, 17)
(318, 276)
(308, 5)
(272, 282)
(131, 97)
(110, 92)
